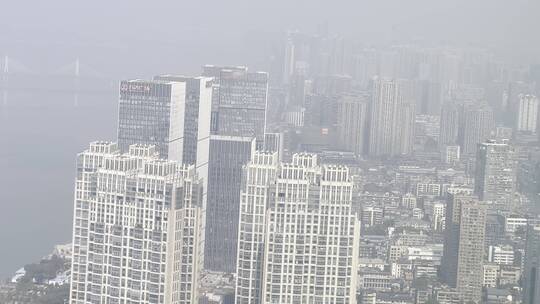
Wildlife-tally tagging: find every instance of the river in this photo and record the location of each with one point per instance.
(41, 131)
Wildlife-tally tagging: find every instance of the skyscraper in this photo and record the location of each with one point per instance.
(273, 142)
(531, 271)
(238, 117)
(150, 112)
(171, 112)
(404, 137)
(196, 117)
(464, 246)
(298, 238)
(238, 102)
(228, 155)
(515, 90)
(527, 113)
(451, 238)
(288, 60)
(438, 217)
(472, 228)
(352, 122)
(215, 73)
(255, 193)
(449, 131)
(138, 229)
(385, 97)
(495, 178)
(478, 126)
(392, 120)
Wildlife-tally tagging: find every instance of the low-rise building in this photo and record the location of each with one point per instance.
(491, 275)
(501, 254)
(375, 279)
(512, 223)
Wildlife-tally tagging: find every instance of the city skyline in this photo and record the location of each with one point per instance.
(240, 158)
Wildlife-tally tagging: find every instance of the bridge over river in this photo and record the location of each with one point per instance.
(74, 78)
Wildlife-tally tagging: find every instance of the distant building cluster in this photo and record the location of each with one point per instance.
(345, 174)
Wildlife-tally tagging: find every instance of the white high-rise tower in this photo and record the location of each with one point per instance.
(392, 119)
(527, 113)
(298, 237)
(138, 228)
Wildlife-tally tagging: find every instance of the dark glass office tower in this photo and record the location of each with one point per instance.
(239, 101)
(228, 155)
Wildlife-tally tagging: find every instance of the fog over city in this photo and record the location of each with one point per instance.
(270, 151)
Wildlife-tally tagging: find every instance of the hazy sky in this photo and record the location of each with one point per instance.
(134, 38)
(128, 39)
